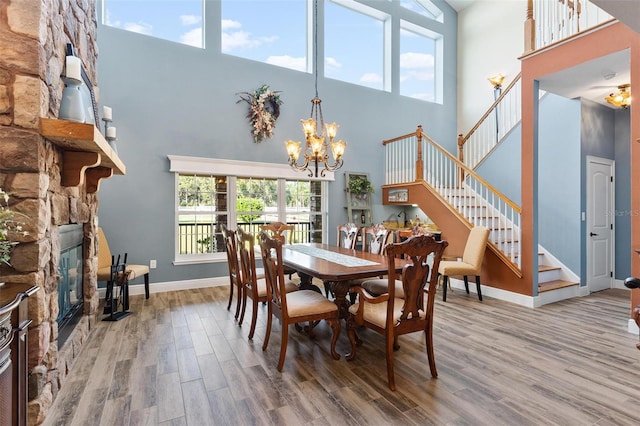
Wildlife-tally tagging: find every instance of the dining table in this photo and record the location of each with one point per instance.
(335, 267)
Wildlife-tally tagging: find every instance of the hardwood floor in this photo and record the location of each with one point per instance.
(183, 360)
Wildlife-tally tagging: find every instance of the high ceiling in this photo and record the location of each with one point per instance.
(593, 80)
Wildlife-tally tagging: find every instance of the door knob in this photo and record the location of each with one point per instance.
(591, 234)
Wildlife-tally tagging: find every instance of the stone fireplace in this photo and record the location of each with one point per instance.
(33, 36)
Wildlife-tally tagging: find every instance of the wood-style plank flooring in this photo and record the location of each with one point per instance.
(183, 360)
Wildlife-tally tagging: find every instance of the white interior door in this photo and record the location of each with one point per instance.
(600, 222)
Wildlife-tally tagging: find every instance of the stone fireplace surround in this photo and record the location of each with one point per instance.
(33, 36)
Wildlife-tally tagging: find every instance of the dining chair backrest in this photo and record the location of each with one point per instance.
(475, 247)
(347, 236)
(280, 230)
(375, 238)
(271, 250)
(246, 252)
(235, 280)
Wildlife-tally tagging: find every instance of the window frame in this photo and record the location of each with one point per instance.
(233, 169)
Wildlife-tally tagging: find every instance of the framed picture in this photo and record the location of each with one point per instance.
(398, 196)
(88, 95)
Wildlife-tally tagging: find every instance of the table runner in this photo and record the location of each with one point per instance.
(339, 258)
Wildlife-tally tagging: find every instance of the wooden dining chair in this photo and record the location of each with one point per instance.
(283, 232)
(347, 236)
(295, 307)
(235, 281)
(104, 264)
(392, 316)
(375, 238)
(469, 264)
(254, 287)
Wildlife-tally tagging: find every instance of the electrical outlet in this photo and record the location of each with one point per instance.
(152, 264)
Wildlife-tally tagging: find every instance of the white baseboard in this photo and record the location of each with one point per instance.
(136, 289)
(532, 302)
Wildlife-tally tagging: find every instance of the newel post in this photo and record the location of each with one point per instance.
(419, 162)
(461, 157)
(529, 29)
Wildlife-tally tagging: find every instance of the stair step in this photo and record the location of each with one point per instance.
(545, 268)
(554, 285)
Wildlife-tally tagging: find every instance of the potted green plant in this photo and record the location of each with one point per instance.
(360, 185)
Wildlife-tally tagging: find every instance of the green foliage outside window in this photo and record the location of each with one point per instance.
(244, 205)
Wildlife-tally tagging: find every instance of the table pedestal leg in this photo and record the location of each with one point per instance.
(340, 290)
(306, 284)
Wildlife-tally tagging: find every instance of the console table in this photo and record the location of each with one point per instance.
(13, 352)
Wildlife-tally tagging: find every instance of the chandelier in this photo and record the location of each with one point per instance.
(622, 99)
(316, 149)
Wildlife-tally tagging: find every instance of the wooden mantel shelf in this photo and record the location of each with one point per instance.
(86, 152)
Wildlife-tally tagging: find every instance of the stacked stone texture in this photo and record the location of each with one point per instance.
(33, 37)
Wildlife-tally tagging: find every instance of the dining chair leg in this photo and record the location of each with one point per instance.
(238, 302)
(478, 287)
(351, 332)
(146, 286)
(389, 350)
(231, 285)
(267, 333)
(283, 345)
(466, 283)
(445, 284)
(244, 307)
(428, 340)
(254, 318)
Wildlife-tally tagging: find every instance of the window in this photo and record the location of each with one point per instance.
(424, 8)
(418, 52)
(304, 210)
(202, 207)
(270, 31)
(243, 195)
(178, 21)
(354, 38)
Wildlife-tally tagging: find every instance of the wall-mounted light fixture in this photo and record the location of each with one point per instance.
(621, 98)
(496, 80)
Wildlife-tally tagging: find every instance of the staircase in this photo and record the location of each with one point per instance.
(473, 202)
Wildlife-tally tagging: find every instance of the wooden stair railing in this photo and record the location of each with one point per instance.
(493, 126)
(474, 198)
(549, 22)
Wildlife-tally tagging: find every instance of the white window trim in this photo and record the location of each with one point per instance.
(222, 167)
(179, 164)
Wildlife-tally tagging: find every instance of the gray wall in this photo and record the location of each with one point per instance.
(558, 176)
(169, 98)
(559, 179)
(606, 133)
(502, 168)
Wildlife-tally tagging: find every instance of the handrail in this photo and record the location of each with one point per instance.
(487, 133)
(470, 173)
(492, 107)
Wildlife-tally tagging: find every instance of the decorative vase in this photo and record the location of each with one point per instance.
(71, 105)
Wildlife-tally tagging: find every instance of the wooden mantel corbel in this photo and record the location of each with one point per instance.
(87, 157)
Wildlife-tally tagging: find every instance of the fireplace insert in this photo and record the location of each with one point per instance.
(70, 282)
